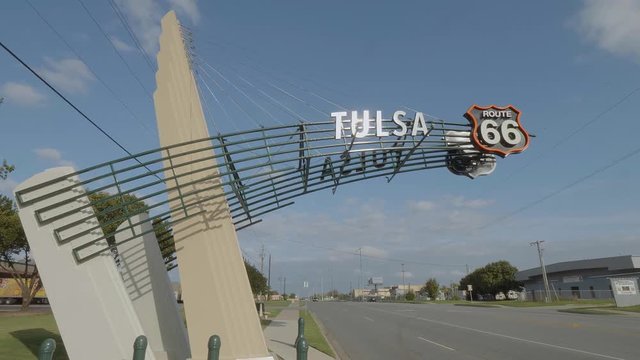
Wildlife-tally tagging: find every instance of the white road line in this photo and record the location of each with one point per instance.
(504, 336)
(521, 339)
(368, 318)
(435, 343)
(404, 310)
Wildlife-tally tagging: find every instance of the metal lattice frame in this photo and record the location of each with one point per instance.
(260, 170)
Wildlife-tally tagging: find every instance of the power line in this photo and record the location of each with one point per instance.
(374, 257)
(113, 93)
(127, 27)
(564, 188)
(147, 92)
(71, 104)
(576, 131)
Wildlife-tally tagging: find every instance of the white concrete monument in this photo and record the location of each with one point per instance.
(91, 306)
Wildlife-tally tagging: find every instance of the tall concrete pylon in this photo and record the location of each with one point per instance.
(215, 287)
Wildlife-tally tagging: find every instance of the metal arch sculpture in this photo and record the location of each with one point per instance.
(207, 187)
(260, 170)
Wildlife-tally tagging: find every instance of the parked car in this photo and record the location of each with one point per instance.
(500, 296)
(512, 295)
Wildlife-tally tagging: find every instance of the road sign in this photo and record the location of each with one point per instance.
(497, 130)
(469, 288)
(305, 284)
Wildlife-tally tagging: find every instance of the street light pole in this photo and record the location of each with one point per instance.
(404, 288)
(360, 280)
(547, 297)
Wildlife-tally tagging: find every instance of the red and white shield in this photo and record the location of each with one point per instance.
(497, 130)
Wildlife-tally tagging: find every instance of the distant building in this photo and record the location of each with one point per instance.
(580, 279)
(386, 292)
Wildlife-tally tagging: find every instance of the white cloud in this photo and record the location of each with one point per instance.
(121, 45)
(407, 274)
(69, 75)
(53, 155)
(422, 205)
(188, 8)
(144, 16)
(21, 94)
(460, 201)
(613, 25)
(374, 252)
(48, 154)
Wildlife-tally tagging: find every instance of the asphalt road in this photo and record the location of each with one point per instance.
(437, 331)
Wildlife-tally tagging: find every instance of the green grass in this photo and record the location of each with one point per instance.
(591, 303)
(21, 336)
(282, 303)
(587, 311)
(314, 335)
(272, 309)
(554, 303)
(630, 308)
(477, 304)
(602, 310)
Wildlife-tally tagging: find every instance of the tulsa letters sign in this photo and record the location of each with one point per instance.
(494, 129)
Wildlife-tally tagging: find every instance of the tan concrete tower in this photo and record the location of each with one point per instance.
(215, 288)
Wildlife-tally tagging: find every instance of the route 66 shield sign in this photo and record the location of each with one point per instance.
(497, 130)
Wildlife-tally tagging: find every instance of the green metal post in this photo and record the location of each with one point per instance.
(214, 347)
(301, 349)
(300, 331)
(139, 347)
(47, 348)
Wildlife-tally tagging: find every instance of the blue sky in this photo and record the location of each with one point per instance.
(571, 67)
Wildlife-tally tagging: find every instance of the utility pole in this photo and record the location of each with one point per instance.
(262, 260)
(269, 275)
(284, 290)
(403, 285)
(351, 289)
(547, 297)
(360, 280)
(332, 288)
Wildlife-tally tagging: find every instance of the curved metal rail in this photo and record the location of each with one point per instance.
(260, 171)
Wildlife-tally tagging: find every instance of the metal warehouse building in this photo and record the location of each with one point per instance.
(580, 279)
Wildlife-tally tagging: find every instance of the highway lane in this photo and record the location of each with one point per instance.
(442, 331)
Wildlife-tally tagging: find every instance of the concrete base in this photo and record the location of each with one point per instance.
(147, 282)
(91, 306)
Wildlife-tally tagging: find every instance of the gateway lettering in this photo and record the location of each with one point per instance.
(360, 127)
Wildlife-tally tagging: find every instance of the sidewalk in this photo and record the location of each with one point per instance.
(282, 333)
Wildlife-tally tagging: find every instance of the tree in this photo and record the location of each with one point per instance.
(13, 244)
(112, 211)
(410, 296)
(164, 235)
(431, 288)
(493, 278)
(257, 281)
(333, 294)
(5, 169)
